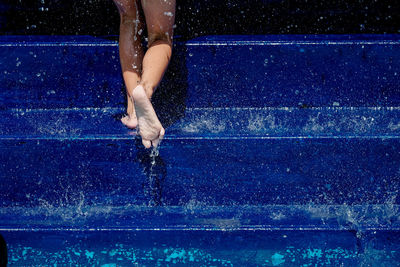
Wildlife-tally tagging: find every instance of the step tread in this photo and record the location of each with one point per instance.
(217, 123)
(193, 217)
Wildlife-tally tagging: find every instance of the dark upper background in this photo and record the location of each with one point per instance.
(205, 17)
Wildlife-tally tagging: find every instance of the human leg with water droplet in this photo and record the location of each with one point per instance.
(159, 15)
(130, 51)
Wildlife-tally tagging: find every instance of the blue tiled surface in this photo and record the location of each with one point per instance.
(59, 74)
(274, 133)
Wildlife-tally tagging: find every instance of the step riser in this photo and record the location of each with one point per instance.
(265, 172)
(60, 76)
(231, 74)
(275, 184)
(224, 72)
(48, 75)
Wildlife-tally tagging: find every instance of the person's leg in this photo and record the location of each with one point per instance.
(130, 52)
(160, 15)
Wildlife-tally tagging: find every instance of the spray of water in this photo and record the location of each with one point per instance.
(155, 151)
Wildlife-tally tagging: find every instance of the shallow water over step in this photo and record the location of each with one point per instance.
(199, 248)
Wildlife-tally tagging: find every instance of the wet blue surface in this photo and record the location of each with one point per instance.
(68, 72)
(199, 248)
(355, 172)
(291, 70)
(217, 123)
(288, 164)
(305, 145)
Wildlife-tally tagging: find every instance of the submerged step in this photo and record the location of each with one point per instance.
(200, 248)
(211, 71)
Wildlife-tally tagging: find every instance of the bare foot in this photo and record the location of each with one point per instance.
(130, 119)
(150, 128)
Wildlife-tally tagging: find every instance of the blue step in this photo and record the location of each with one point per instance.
(67, 72)
(294, 70)
(213, 71)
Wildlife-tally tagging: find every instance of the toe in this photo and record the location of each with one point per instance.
(125, 121)
(146, 143)
(157, 141)
(162, 133)
(160, 137)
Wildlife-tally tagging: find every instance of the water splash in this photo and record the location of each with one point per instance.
(154, 169)
(155, 151)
